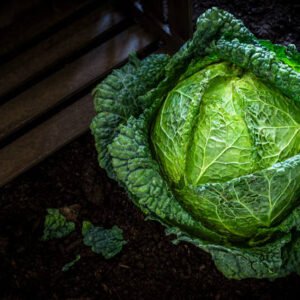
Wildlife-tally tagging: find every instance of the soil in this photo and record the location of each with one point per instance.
(149, 266)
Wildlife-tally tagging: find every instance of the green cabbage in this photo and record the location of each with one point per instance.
(207, 142)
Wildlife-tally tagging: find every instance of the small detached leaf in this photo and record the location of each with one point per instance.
(70, 264)
(56, 225)
(108, 242)
(86, 226)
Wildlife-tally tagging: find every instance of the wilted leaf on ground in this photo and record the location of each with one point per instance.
(56, 225)
(107, 242)
(70, 264)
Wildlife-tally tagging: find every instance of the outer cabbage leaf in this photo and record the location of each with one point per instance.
(273, 260)
(262, 63)
(117, 97)
(247, 207)
(286, 54)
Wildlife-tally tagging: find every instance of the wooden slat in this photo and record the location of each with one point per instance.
(51, 135)
(180, 18)
(47, 15)
(37, 60)
(70, 80)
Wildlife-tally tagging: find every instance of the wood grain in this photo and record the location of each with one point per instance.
(49, 52)
(70, 80)
(37, 22)
(51, 135)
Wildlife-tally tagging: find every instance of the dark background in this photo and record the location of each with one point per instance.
(150, 266)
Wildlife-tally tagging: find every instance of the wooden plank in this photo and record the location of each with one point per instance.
(40, 20)
(70, 80)
(51, 135)
(37, 60)
(180, 18)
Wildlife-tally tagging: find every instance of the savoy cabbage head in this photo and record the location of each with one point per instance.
(207, 142)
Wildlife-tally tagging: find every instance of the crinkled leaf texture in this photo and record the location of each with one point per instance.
(249, 223)
(56, 225)
(108, 242)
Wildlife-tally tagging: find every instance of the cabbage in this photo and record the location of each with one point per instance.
(207, 142)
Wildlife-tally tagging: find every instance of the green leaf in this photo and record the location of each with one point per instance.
(70, 264)
(107, 242)
(116, 99)
(56, 226)
(277, 258)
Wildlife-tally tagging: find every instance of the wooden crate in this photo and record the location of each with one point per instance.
(52, 56)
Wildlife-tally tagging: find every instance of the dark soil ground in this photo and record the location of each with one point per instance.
(150, 266)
